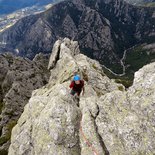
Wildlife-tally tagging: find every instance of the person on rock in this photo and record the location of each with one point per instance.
(77, 86)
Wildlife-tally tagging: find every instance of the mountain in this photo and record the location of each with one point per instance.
(104, 29)
(107, 120)
(18, 78)
(10, 6)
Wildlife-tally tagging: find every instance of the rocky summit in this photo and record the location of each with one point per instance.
(106, 120)
(18, 78)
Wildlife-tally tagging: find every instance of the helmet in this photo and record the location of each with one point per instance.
(76, 78)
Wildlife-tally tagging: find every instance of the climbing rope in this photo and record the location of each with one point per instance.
(87, 141)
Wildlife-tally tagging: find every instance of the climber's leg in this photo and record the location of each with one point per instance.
(78, 93)
(73, 92)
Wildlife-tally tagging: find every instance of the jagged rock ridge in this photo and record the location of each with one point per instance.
(113, 120)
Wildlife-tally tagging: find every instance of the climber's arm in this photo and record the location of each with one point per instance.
(71, 85)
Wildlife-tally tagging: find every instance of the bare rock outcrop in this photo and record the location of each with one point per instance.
(108, 120)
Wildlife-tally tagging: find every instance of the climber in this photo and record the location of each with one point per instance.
(77, 85)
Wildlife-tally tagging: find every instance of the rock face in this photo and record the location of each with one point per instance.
(131, 131)
(103, 28)
(108, 120)
(18, 78)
